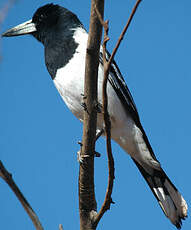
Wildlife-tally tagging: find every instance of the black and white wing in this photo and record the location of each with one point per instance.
(118, 83)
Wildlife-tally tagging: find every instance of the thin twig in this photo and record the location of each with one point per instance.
(7, 177)
(123, 32)
(60, 227)
(108, 200)
(4, 174)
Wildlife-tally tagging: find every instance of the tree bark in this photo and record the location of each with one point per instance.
(87, 202)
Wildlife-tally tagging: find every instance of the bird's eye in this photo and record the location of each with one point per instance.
(41, 17)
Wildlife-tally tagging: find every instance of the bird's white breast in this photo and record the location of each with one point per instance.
(69, 81)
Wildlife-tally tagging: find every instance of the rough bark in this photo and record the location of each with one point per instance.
(87, 202)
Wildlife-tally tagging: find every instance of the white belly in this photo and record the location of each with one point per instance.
(70, 83)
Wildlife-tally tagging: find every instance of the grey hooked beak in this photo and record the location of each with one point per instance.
(24, 28)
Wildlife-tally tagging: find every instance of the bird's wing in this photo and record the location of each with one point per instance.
(118, 83)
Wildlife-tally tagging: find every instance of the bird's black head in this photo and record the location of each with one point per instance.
(47, 21)
(51, 20)
(47, 15)
(54, 26)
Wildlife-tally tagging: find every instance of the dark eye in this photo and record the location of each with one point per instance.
(41, 18)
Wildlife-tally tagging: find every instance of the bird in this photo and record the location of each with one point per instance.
(65, 40)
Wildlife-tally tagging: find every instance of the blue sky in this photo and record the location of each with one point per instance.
(39, 135)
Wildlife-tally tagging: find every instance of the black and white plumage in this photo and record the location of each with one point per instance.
(65, 40)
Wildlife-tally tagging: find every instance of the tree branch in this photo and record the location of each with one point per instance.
(108, 200)
(60, 227)
(4, 174)
(87, 202)
(7, 177)
(123, 32)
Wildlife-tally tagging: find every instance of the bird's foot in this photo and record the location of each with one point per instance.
(81, 157)
(83, 104)
(98, 107)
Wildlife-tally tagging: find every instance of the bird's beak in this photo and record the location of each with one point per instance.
(24, 28)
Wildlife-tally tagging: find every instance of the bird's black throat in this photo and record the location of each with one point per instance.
(55, 28)
(59, 51)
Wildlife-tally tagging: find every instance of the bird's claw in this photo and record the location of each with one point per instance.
(98, 107)
(81, 157)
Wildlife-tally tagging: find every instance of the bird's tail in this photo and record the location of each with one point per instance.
(171, 201)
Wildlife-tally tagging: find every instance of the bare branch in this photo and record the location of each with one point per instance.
(60, 227)
(7, 177)
(87, 202)
(108, 200)
(123, 32)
